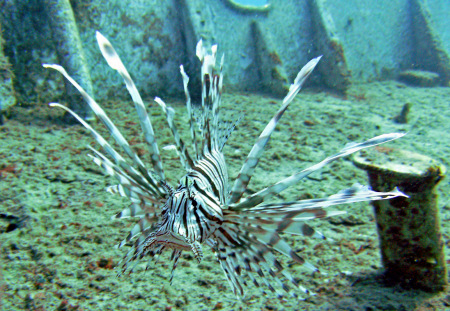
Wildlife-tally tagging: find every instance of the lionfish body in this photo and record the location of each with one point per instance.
(203, 209)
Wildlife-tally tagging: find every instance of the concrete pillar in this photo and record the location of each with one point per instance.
(70, 53)
(411, 243)
(7, 96)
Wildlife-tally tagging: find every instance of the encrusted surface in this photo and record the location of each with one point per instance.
(398, 162)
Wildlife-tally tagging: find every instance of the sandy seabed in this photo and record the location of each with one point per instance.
(57, 237)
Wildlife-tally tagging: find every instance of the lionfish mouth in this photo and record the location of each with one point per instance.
(243, 232)
(162, 240)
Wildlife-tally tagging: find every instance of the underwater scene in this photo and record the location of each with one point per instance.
(224, 155)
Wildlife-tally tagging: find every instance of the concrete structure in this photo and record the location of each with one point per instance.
(409, 230)
(7, 97)
(361, 41)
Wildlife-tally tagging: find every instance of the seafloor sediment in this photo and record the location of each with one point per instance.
(57, 237)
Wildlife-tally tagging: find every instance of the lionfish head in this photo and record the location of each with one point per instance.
(187, 219)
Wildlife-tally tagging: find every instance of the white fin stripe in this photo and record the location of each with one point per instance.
(264, 194)
(253, 157)
(190, 112)
(114, 62)
(185, 158)
(105, 119)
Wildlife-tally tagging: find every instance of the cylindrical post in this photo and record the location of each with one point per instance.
(411, 245)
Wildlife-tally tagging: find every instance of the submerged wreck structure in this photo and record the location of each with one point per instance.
(359, 42)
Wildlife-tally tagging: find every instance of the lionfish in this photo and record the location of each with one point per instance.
(243, 232)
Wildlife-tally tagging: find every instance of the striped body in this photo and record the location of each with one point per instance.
(244, 232)
(193, 211)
